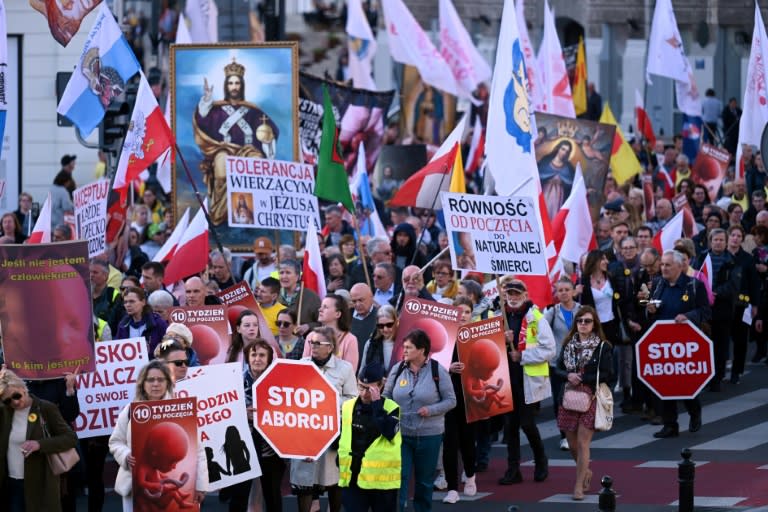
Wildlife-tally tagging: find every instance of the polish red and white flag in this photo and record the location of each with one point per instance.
(191, 255)
(168, 249)
(41, 233)
(313, 277)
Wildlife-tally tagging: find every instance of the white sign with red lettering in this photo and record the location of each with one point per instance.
(222, 422)
(103, 394)
(91, 215)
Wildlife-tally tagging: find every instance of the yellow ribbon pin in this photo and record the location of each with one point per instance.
(685, 298)
(626, 272)
(403, 383)
(32, 417)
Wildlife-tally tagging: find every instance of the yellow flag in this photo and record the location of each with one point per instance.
(580, 80)
(624, 162)
(457, 176)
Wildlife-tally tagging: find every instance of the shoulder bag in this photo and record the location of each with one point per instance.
(59, 462)
(604, 398)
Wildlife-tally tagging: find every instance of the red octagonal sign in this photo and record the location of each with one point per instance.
(675, 360)
(296, 409)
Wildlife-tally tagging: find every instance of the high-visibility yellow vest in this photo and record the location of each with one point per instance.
(532, 339)
(381, 463)
(100, 324)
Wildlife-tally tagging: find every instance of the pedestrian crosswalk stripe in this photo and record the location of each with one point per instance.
(713, 501)
(741, 440)
(667, 464)
(555, 463)
(566, 498)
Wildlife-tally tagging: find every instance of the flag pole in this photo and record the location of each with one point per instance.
(277, 246)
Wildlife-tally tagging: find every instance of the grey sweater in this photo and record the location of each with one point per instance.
(414, 391)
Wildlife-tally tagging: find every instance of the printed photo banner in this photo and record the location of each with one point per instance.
(222, 423)
(709, 168)
(485, 379)
(495, 235)
(360, 115)
(103, 393)
(439, 321)
(56, 278)
(270, 194)
(209, 328)
(239, 298)
(164, 444)
(91, 215)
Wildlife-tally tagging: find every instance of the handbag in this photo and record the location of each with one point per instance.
(59, 462)
(576, 400)
(604, 398)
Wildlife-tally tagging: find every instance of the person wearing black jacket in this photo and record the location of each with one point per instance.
(726, 282)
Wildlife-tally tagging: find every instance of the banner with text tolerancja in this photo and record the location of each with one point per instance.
(91, 215)
(50, 281)
(222, 423)
(103, 393)
(496, 235)
(270, 194)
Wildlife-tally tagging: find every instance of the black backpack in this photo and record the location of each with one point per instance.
(435, 375)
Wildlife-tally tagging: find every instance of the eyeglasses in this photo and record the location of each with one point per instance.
(179, 363)
(584, 321)
(283, 324)
(13, 397)
(320, 343)
(155, 380)
(442, 273)
(363, 389)
(387, 325)
(628, 247)
(379, 276)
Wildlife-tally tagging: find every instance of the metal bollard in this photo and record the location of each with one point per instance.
(686, 474)
(607, 498)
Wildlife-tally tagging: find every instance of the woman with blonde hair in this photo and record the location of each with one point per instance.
(585, 352)
(26, 480)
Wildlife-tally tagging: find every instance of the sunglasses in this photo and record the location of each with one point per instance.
(387, 325)
(13, 397)
(283, 324)
(320, 343)
(180, 362)
(584, 321)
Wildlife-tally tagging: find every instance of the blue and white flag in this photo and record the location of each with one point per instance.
(3, 73)
(106, 64)
(365, 207)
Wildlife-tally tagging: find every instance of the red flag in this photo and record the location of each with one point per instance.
(41, 233)
(191, 255)
(644, 126)
(476, 147)
(313, 277)
(425, 185)
(148, 137)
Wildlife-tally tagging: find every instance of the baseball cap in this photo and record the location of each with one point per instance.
(515, 286)
(68, 159)
(262, 245)
(372, 373)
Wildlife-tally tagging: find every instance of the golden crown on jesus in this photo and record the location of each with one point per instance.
(234, 69)
(567, 129)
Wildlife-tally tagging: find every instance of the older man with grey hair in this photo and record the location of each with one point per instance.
(161, 302)
(379, 251)
(221, 268)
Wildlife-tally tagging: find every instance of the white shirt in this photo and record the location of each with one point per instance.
(16, 438)
(382, 298)
(604, 302)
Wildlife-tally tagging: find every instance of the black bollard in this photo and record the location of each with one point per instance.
(607, 498)
(686, 474)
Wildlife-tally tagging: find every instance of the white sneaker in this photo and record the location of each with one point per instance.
(470, 488)
(564, 445)
(451, 497)
(463, 477)
(440, 482)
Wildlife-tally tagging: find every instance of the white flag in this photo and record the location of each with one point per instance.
(204, 20)
(409, 44)
(469, 67)
(361, 46)
(666, 57)
(509, 140)
(531, 64)
(755, 115)
(578, 221)
(557, 97)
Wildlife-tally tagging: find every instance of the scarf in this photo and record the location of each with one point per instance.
(578, 352)
(322, 362)
(289, 300)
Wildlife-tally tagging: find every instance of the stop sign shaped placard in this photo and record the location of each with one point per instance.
(675, 360)
(296, 409)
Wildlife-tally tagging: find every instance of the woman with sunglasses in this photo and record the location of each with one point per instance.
(26, 481)
(291, 344)
(173, 352)
(378, 349)
(584, 348)
(316, 476)
(334, 313)
(140, 320)
(154, 382)
(260, 356)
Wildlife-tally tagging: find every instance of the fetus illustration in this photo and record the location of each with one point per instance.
(483, 361)
(155, 489)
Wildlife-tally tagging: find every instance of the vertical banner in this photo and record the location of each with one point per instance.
(46, 311)
(709, 168)
(209, 329)
(497, 235)
(270, 194)
(103, 393)
(164, 444)
(439, 321)
(485, 379)
(222, 423)
(91, 215)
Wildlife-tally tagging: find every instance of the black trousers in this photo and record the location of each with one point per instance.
(721, 338)
(459, 436)
(522, 418)
(95, 450)
(355, 499)
(740, 337)
(272, 471)
(669, 413)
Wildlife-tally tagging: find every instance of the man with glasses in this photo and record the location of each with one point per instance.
(364, 314)
(369, 446)
(413, 286)
(378, 251)
(384, 284)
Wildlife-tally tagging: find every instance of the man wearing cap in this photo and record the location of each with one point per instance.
(530, 345)
(67, 168)
(264, 266)
(369, 447)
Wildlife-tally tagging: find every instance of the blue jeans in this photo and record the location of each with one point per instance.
(421, 453)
